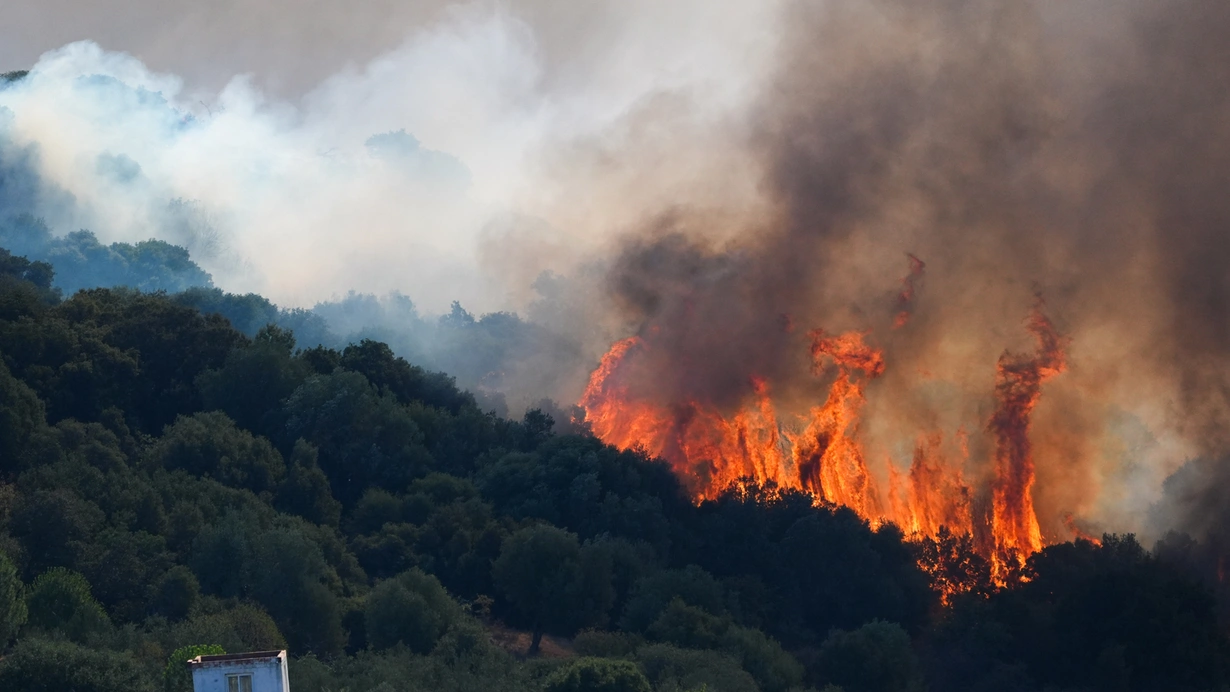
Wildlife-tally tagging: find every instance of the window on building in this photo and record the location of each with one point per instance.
(239, 683)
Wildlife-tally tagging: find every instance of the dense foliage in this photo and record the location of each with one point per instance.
(169, 481)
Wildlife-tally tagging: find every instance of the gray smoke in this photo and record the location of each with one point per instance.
(1075, 150)
(718, 181)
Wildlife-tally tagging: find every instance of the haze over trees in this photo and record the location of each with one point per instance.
(168, 480)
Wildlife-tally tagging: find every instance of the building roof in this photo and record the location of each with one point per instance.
(233, 658)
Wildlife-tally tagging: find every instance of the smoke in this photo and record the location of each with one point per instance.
(436, 168)
(1073, 150)
(720, 184)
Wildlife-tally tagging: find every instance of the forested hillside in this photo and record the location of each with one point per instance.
(167, 481)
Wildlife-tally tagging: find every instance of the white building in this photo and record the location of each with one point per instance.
(258, 671)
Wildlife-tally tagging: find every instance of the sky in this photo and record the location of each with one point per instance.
(711, 170)
(554, 112)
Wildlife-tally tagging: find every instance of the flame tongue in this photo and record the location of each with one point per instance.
(1018, 386)
(937, 495)
(823, 453)
(830, 458)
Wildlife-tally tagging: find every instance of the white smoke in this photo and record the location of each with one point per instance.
(305, 201)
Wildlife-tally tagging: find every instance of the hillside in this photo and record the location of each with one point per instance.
(167, 481)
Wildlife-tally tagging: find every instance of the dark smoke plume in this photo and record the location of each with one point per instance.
(1080, 150)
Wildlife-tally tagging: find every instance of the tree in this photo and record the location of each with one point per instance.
(691, 628)
(12, 601)
(60, 601)
(953, 566)
(671, 668)
(21, 416)
(376, 508)
(120, 566)
(176, 593)
(876, 657)
(364, 438)
(210, 444)
(305, 491)
(409, 383)
(253, 383)
(839, 573)
(221, 554)
(598, 675)
(547, 579)
(37, 665)
(763, 658)
(412, 609)
(585, 486)
(241, 628)
(20, 275)
(173, 345)
(54, 526)
(652, 594)
(176, 677)
(773, 668)
(290, 576)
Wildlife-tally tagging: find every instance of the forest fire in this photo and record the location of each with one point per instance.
(820, 450)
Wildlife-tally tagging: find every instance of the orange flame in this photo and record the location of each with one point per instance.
(1018, 384)
(829, 457)
(822, 453)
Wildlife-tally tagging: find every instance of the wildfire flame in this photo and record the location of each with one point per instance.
(821, 452)
(1018, 386)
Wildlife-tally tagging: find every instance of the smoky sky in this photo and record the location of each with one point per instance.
(259, 114)
(290, 46)
(1077, 151)
(720, 180)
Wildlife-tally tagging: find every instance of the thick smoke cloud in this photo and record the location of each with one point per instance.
(506, 115)
(443, 153)
(1075, 151)
(721, 183)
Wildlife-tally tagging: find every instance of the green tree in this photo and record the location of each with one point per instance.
(37, 665)
(305, 491)
(241, 628)
(13, 610)
(411, 608)
(291, 578)
(176, 677)
(598, 675)
(585, 486)
(364, 438)
(653, 593)
(210, 444)
(172, 345)
(772, 667)
(120, 566)
(221, 554)
(21, 416)
(689, 627)
(840, 574)
(409, 383)
(54, 527)
(373, 510)
(255, 380)
(176, 593)
(876, 657)
(551, 582)
(60, 601)
(671, 668)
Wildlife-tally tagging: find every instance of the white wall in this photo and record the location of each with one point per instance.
(268, 675)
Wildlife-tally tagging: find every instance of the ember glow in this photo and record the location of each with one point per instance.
(820, 449)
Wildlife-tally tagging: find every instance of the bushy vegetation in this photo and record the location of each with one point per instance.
(83, 262)
(168, 481)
